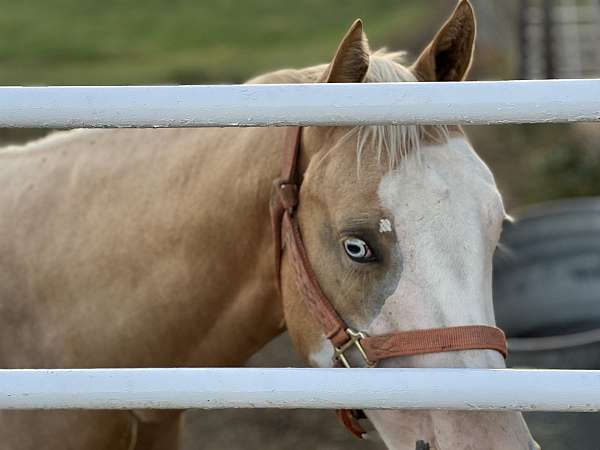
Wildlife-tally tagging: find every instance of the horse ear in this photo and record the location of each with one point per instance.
(351, 60)
(448, 56)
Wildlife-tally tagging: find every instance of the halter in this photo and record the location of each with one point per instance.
(372, 349)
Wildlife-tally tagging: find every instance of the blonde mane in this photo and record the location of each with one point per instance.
(391, 141)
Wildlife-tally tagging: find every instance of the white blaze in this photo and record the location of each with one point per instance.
(447, 214)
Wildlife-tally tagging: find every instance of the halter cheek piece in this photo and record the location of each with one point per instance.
(371, 348)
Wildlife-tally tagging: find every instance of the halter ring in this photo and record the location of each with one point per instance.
(354, 341)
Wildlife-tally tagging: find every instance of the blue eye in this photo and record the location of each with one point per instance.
(358, 250)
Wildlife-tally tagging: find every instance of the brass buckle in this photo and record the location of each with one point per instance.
(354, 341)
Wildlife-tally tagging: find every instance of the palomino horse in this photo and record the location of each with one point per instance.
(150, 248)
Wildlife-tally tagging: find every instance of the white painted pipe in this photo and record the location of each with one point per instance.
(455, 389)
(308, 104)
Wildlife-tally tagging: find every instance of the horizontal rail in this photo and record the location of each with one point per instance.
(455, 389)
(307, 104)
(562, 341)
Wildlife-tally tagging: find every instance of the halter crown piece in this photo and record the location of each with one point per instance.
(287, 235)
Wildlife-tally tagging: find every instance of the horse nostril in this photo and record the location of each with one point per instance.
(422, 445)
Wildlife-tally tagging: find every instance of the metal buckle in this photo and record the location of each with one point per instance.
(287, 194)
(354, 341)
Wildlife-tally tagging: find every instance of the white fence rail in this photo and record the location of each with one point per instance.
(308, 104)
(456, 389)
(312, 104)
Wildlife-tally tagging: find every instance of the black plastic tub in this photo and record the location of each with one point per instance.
(547, 299)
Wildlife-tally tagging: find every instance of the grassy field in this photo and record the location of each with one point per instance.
(107, 42)
(79, 42)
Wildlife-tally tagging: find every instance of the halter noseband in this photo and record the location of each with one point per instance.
(286, 233)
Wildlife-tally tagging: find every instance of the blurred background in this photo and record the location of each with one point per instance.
(553, 253)
(85, 42)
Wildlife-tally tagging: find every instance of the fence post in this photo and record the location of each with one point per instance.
(548, 14)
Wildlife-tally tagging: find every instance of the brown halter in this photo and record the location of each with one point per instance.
(372, 348)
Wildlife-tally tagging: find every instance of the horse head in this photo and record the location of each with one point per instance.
(399, 225)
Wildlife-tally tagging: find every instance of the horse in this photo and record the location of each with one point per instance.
(154, 248)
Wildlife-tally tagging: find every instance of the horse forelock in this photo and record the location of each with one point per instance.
(392, 142)
(388, 144)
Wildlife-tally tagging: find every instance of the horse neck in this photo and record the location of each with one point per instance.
(235, 188)
(169, 227)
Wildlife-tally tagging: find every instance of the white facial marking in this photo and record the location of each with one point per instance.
(385, 226)
(447, 215)
(323, 357)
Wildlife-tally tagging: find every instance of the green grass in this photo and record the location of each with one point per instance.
(104, 42)
(63, 42)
